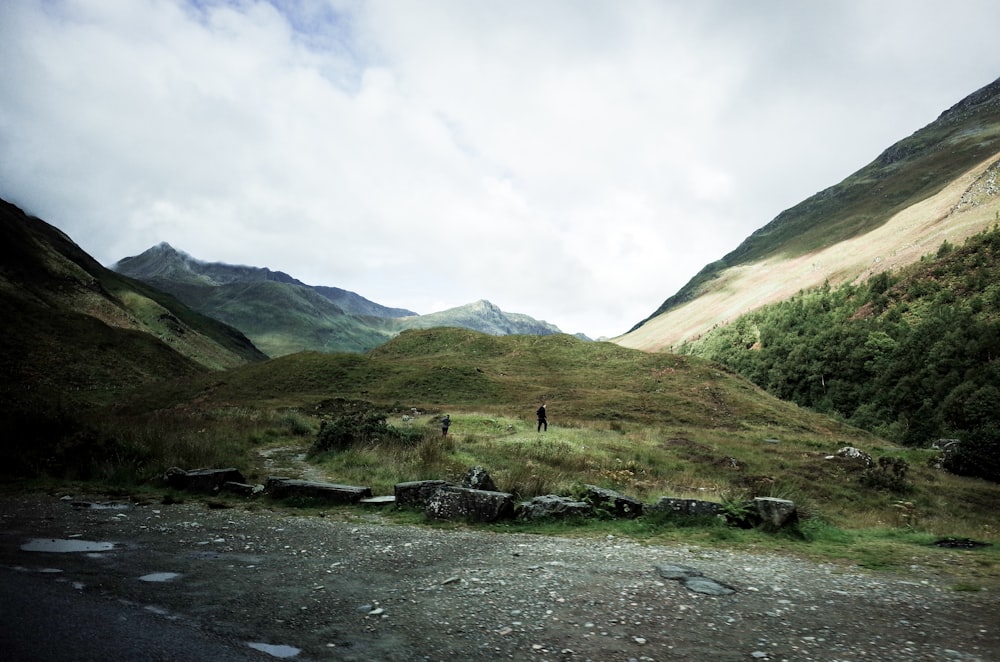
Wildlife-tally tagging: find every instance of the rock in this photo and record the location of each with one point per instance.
(686, 507)
(386, 500)
(285, 488)
(706, 586)
(416, 493)
(240, 489)
(623, 506)
(553, 506)
(452, 502)
(670, 571)
(776, 513)
(851, 453)
(202, 480)
(693, 580)
(477, 478)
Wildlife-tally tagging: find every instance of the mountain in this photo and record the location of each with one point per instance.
(74, 330)
(165, 265)
(939, 184)
(481, 316)
(280, 314)
(283, 315)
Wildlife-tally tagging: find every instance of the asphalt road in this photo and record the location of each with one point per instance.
(52, 621)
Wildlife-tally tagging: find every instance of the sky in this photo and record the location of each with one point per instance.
(575, 161)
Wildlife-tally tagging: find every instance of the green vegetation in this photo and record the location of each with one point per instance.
(910, 356)
(647, 425)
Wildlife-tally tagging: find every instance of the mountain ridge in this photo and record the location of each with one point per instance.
(888, 213)
(73, 328)
(283, 315)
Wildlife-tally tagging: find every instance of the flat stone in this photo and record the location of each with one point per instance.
(452, 502)
(416, 493)
(386, 500)
(707, 586)
(670, 571)
(284, 488)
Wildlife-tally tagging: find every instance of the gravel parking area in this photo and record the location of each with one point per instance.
(310, 587)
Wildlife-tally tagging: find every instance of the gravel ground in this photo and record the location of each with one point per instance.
(362, 589)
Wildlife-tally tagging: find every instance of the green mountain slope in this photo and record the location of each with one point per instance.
(927, 188)
(73, 327)
(283, 315)
(913, 355)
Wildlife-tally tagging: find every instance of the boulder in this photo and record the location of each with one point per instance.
(856, 454)
(776, 513)
(453, 502)
(477, 478)
(685, 507)
(622, 506)
(285, 488)
(202, 480)
(416, 493)
(239, 489)
(551, 506)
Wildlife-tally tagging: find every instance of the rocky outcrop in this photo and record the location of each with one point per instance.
(417, 493)
(286, 488)
(621, 506)
(462, 503)
(775, 513)
(207, 481)
(478, 478)
(685, 507)
(553, 506)
(478, 500)
(855, 455)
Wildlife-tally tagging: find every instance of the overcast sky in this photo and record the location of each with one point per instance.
(577, 161)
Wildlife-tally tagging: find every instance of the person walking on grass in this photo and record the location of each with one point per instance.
(445, 424)
(543, 422)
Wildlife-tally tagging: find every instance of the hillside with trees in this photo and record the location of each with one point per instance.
(910, 355)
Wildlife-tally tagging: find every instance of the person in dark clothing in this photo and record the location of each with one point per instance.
(543, 422)
(445, 424)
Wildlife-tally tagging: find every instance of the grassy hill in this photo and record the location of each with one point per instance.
(937, 185)
(76, 336)
(646, 424)
(41, 269)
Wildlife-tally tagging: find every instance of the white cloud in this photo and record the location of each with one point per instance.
(575, 161)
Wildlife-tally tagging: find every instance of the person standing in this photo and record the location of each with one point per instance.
(543, 422)
(445, 424)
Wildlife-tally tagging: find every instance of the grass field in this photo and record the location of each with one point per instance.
(645, 425)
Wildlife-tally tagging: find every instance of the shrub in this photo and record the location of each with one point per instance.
(978, 455)
(362, 427)
(889, 474)
(738, 511)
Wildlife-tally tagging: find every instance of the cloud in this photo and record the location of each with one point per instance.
(575, 161)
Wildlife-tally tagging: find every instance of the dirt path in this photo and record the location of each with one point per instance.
(289, 462)
(360, 589)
